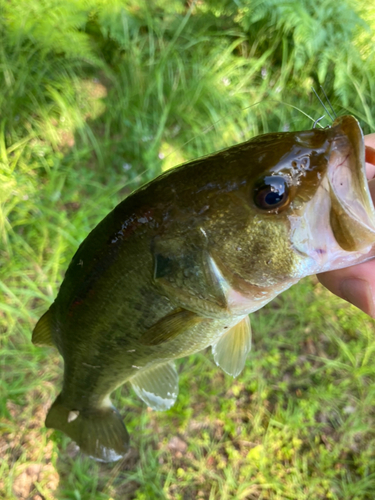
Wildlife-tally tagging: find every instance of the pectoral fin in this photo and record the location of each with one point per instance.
(157, 386)
(170, 327)
(232, 348)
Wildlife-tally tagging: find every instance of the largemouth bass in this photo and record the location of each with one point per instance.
(181, 263)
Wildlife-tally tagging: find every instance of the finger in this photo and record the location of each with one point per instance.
(354, 284)
(370, 155)
(370, 140)
(371, 186)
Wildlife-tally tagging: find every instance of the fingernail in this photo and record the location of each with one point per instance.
(358, 292)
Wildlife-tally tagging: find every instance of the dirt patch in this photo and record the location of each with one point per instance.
(25, 485)
(177, 446)
(27, 454)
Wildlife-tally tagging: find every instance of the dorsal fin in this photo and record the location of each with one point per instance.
(232, 348)
(42, 333)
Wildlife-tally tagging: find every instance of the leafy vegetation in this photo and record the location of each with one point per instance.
(98, 97)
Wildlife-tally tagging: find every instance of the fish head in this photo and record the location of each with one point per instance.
(309, 207)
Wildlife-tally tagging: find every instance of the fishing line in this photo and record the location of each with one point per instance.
(329, 102)
(318, 120)
(322, 103)
(139, 176)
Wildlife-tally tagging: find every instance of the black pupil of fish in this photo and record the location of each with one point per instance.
(273, 197)
(271, 192)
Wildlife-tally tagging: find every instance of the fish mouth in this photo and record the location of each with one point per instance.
(337, 228)
(352, 214)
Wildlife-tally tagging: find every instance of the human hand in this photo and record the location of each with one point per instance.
(356, 284)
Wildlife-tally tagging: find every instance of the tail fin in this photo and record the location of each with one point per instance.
(99, 432)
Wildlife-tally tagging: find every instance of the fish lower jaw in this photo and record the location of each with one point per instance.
(315, 257)
(326, 236)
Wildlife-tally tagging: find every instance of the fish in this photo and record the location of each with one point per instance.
(180, 264)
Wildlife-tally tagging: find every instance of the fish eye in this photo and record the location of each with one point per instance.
(271, 192)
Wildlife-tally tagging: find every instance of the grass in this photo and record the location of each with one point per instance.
(86, 119)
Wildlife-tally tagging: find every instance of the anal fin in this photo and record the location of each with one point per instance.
(232, 348)
(157, 386)
(42, 333)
